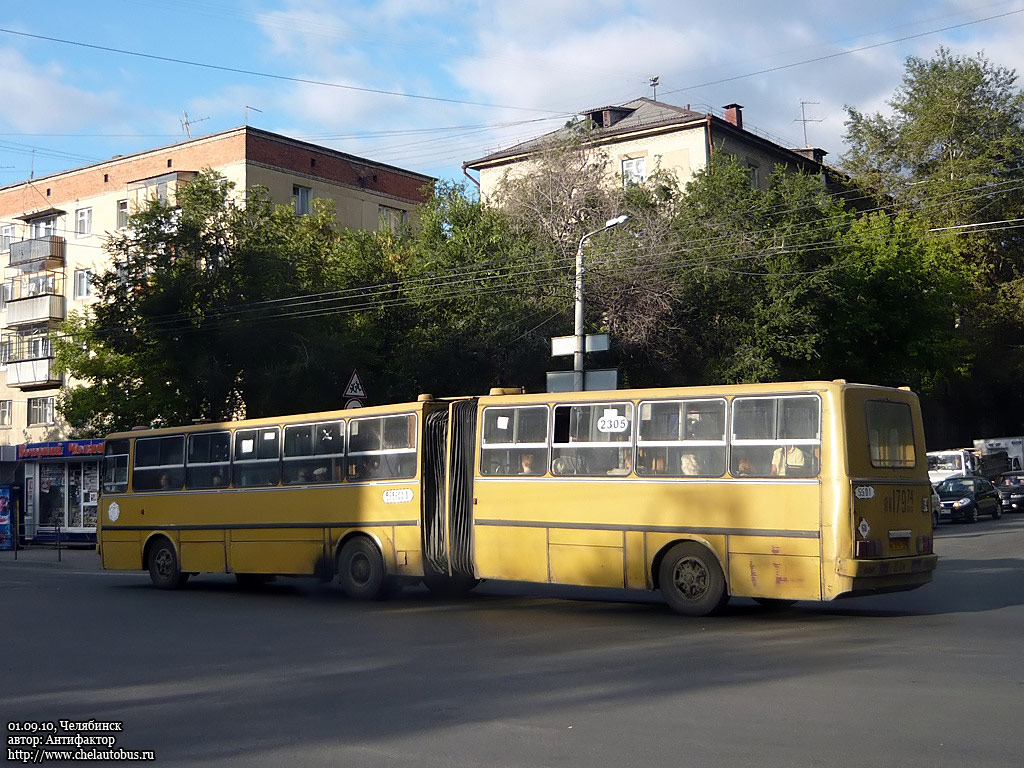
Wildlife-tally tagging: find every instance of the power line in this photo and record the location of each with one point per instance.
(859, 49)
(269, 75)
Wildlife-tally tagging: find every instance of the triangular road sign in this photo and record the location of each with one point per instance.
(355, 386)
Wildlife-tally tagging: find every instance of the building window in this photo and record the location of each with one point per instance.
(752, 170)
(34, 346)
(5, 353)
(6, 237)
(42, 284)
(391, 218)
(40, 410)
(6, 292)
(83, 222)
(122, 214)
(43, 227)
(83, 283)
(634, 171)
(300, 199)
(6, 410)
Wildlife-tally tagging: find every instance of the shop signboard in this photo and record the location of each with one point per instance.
(65, 449)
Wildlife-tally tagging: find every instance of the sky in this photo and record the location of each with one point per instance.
(430, 84)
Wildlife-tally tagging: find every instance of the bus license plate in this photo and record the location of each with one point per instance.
(900, 544)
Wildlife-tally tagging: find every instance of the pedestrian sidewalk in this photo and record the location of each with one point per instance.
(79, 557)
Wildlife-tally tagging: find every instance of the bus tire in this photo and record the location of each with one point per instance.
(164, 570)
(443, 585)
(691, 581)
(361, 570)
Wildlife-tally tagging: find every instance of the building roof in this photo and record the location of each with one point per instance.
(244, 129)
(642, 115)
(639, 114)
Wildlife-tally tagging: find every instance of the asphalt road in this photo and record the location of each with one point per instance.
(295, 674)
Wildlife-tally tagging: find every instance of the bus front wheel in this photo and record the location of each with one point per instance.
(691, 580)
(361, 570)
(163, 567)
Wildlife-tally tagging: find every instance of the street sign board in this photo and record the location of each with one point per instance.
(355, 387)
(593, 380)
(566, 345)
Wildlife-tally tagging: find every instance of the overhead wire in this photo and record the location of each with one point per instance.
(483, 273)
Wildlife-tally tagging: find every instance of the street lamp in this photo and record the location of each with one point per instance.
(581, 340)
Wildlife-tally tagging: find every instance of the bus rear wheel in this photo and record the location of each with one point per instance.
(691, 580)
(361, 570)
(163, 567)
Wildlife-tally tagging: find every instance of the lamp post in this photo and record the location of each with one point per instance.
(581, 339)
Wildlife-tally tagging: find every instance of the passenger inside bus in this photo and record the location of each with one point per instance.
(527, 466)
(744, 467)
(624, 467)
(789, 460)
(689, 464)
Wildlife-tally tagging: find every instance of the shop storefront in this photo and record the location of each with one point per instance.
(61, 487)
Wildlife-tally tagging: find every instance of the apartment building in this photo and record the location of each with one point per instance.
(643, 136)
(52, 231)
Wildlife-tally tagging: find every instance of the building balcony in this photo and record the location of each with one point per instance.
(45, 308)
(33, 374)
(47, 251)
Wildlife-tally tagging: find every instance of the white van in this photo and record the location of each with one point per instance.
(959, 462)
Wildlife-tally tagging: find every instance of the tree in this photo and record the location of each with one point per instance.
(951, 151)
(205, 314)
(951, 155)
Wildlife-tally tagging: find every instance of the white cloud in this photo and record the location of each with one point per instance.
(39, 98)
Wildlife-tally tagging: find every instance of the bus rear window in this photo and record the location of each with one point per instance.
(890, 434)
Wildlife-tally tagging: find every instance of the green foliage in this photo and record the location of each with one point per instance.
(196, 318)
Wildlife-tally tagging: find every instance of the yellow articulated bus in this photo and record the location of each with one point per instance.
(777, 492)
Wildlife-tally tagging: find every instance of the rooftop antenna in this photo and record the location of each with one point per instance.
(186, 123)
(32, 168)
(805, 119)
(247, 108)
(655, 79)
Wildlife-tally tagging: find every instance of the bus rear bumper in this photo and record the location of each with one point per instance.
(896, 566)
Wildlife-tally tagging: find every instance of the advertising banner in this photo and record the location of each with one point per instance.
(7, 522)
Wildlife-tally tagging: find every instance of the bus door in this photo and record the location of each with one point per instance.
(448, 490)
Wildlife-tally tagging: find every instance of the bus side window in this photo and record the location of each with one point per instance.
(159, 463)
(514, 441)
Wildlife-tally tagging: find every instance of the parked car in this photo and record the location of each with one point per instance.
(1011, 491)
(966, 498)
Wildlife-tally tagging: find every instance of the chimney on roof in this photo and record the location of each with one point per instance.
(812, 153)
(734, 114)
